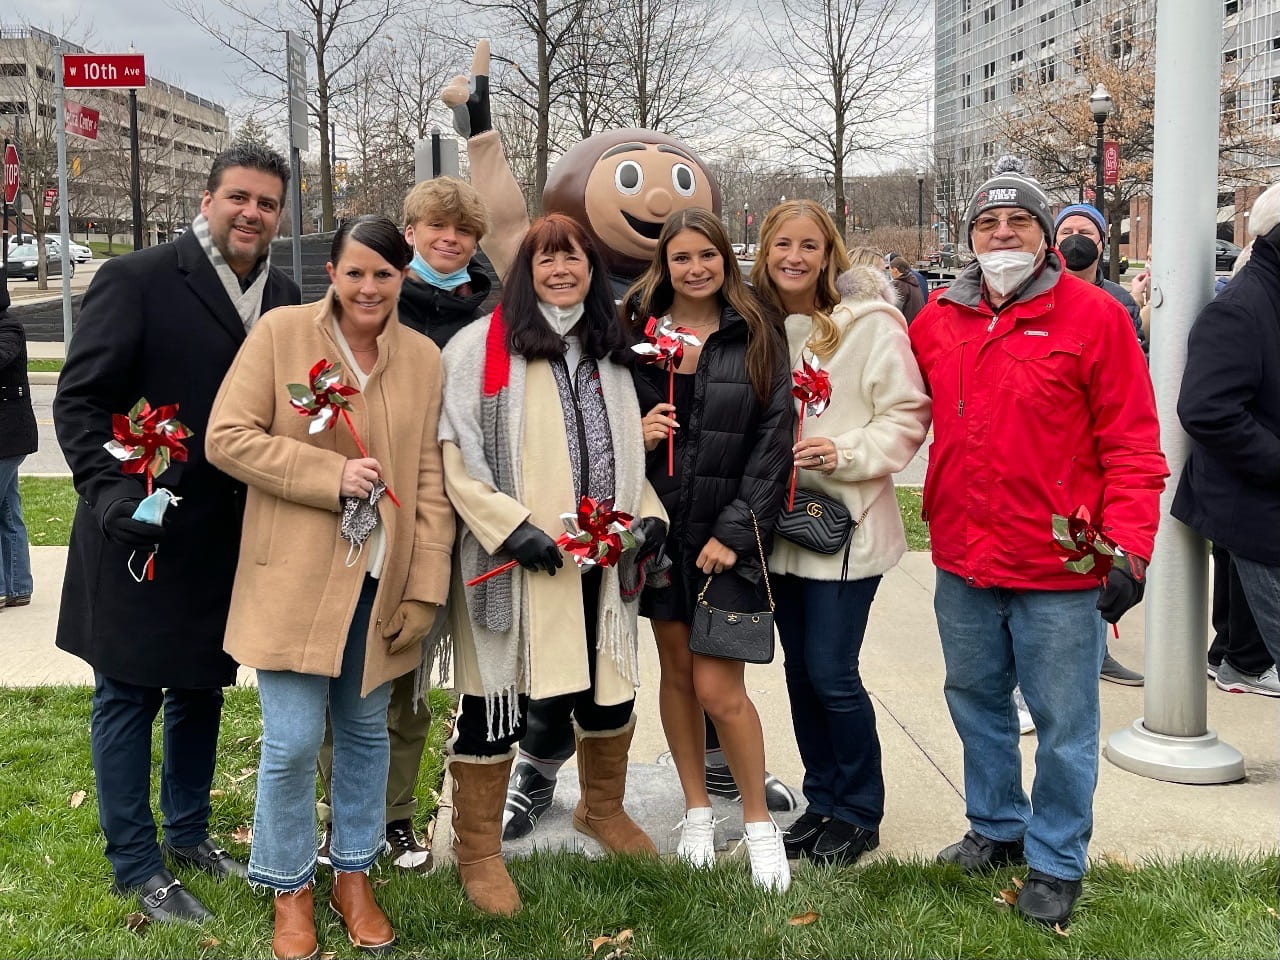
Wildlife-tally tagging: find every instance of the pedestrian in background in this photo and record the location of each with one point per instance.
(905, 283)
(17, 440)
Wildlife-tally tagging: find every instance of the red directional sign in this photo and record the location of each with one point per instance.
(82, 120)
(94, 71)
(10, 173)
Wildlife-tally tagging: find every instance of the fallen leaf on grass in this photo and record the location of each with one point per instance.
(1017, 882)
(137, 922)
(1272, 911)
(217, 793)
(208, 943)
(242, 835)
(53, 520)
(48, 859)
(244, 774)
(803, 919)
(1060, 932)
(620, 942)
(1007, 897)
(77, 798)
(328, 955)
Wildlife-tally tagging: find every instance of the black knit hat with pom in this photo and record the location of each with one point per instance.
(1010, 186)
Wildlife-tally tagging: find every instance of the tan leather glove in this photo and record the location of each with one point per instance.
(411, 622)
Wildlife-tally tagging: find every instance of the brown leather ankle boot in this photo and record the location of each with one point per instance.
(352, 900)
(479, 792)
(602, 776)
(295, 931)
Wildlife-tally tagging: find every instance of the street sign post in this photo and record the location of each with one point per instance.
(64, 220)
(82, 121)
(95, 71)
(296, 54)
(50, 197)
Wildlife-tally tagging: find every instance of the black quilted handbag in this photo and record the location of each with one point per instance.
(819, 523)
(733, 634)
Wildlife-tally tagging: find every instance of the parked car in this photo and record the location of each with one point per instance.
(23, 263)
(951, 257)
(79, 253)
(1224, 255)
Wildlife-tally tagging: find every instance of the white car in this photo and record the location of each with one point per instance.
(79, 254)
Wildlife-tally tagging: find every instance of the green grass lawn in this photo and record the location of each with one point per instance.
(48, 505)
(910, 502)
(44, 364)
(99, 248)
(55, 901)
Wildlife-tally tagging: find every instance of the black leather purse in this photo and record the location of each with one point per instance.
(733, 634)
(819, 523)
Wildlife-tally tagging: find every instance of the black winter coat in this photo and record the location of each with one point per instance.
(155, 324)
(17, 420)
(737, 452)
(1230, 405)
(440, 313)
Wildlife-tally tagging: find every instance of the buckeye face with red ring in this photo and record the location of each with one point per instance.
(622, 185)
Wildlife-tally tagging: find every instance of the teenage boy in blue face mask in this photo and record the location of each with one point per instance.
(444, 220)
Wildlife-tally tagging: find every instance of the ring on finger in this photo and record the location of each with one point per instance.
(822, 458)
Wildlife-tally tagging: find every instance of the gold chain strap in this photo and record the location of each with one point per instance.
(764, 565)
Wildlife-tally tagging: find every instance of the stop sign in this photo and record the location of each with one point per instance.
(10, 173)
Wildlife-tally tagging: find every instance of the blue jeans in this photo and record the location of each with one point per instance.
(283, 857)
(15, 556)
(1051, 642)
(821, 624)
(1261, 585)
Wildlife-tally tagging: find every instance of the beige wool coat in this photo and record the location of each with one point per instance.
(295, 595)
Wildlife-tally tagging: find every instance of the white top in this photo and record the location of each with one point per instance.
(375, 548)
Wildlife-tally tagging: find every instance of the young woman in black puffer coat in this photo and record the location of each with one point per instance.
(733, 425)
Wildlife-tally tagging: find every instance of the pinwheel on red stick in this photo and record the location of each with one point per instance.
(1088, 549)
(663, 345)
(146, 440)
(813, 389)
(323, 398)
(595, 536)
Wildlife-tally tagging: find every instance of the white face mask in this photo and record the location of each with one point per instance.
(561, 319)
(1006, 270)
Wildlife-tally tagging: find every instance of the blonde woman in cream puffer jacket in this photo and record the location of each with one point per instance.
(876, 421)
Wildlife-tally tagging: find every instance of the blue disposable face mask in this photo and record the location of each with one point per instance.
(429, 274)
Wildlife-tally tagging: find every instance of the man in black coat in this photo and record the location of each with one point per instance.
(1230, 406)
(17, 440)
(164, 324)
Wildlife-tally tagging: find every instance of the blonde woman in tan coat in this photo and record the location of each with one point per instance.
(336, 584)
(841, 314)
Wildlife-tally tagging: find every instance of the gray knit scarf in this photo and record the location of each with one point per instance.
(248, 302)
(482, 414)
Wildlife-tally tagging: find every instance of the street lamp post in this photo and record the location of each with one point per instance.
(919, 214)
(744, 225)
(1101, 104)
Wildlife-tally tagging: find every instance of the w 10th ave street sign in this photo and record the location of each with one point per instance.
(94, 71)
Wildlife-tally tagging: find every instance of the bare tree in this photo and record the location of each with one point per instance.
(843, 74)
(336, 32)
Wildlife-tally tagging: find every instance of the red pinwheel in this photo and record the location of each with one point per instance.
(595, 536)
(146, 440)
(1088, 549)
(323, 398)
(813, 389)
(664, 345)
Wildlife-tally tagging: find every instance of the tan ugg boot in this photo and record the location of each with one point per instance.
(602, 776)
(479, 792)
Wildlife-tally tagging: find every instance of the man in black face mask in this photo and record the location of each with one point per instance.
(1079, 232)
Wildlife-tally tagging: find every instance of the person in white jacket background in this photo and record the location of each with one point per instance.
(877, 419)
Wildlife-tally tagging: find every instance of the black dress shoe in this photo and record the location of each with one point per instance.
(803, 834)
(529, 796)
(841, 844)
(207, 857)
(1047, 899)
(975, 852)
(164, 899)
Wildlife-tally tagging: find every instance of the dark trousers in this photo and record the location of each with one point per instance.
(821, 624)
(120, 738)
(1236, 634)
(554, 713)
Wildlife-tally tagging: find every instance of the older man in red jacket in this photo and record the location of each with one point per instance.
(1042, 404)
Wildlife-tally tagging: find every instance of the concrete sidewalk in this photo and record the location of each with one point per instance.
(902, 667)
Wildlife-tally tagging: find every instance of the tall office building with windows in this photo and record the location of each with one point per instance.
(987, 50)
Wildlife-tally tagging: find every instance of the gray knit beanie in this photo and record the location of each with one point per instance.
(1010, 186)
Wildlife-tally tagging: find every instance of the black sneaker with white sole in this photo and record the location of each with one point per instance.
(529, 796)
(405, 848)
(777, 795)
(800, 837)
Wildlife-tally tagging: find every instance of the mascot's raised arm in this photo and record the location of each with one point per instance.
(621, 184)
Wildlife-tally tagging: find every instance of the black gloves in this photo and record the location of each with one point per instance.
(534, 549)
(1122, 590)
(472, 117)
(120, 527)
(651, 534)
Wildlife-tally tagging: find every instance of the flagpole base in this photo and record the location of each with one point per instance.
(1202, 759)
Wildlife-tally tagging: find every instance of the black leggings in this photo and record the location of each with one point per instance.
(552, 713)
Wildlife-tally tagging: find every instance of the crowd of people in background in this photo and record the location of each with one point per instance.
(341, 563)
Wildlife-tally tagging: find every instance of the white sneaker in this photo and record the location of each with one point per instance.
(697, 846)
(1025, 723)
(769, 866)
